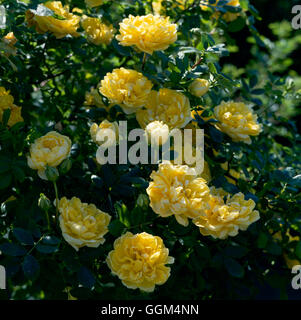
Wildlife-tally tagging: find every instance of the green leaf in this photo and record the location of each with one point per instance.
(12, 249)
(236, 25)
(244, 4)
(4, 164)
(274, 249)
(51, 240)
(296, 181)
(23, 236)
(123, 213)
(203, 252)
(6, 116)
(262, 240)
(52, 173)
(212, 67)
(5, 180)
(258, 91)
(116, 228)
(85, 277)
(298, 250)
(65, 166)
(253, 81)
(254, 11)
(234, 268)
(124, 51)
(233, 9)
(31, 267)
(19, 174)
(215, 134)
(46, 249)
(108, 176)
(235, 251)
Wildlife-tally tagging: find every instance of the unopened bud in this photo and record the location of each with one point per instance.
(199, 87)
(142, 200)
(65, 166)
(52, 173)
(44, 203)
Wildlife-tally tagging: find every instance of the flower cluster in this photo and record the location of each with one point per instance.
(67, 24)
(176, 190)
(82, 224)
(7, 102)
(147, 33)
(226, 218)
(140, 261)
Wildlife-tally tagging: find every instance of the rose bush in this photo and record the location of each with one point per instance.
(72, 227)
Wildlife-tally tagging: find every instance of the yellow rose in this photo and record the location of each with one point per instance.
(94, 3)
(127, 88)
(9, 42)
(169, 106)
(237, 120)
(228, 16)
(82, 224)
(176, 190)
(147, 33)
(7, 102)
(199, 87)
(59, 27)
(140, 261)
(157, 132)
(226, 218)
(97, 32)
(50, 150)
(104, 130)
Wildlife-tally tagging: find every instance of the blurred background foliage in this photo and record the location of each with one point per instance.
(49, 79)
